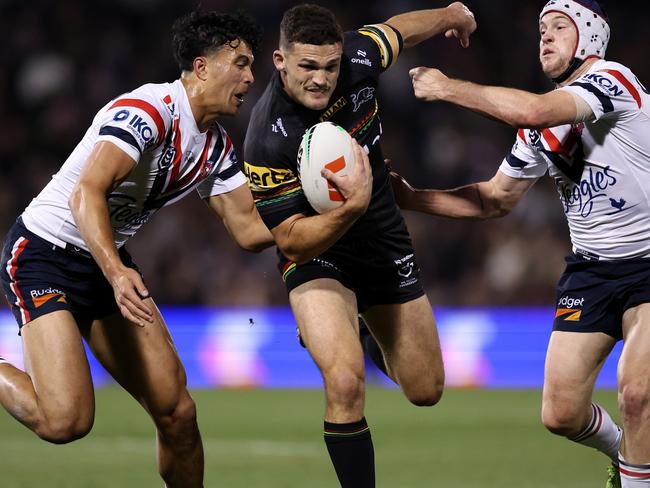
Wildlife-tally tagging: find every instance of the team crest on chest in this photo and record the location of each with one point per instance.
(362, 96)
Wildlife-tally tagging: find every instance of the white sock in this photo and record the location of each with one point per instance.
(633, 475)
(602, 433)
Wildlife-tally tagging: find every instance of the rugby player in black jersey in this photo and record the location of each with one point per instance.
(346, 261)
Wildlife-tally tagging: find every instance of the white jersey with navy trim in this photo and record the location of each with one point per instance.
(601, 167)
(155, 126)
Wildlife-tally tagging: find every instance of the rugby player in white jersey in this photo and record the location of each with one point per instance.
(592, 135)
(65, 270)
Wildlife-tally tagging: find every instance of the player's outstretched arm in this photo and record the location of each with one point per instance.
(485, 200)
(302, 238)
(517, 108)
(417, 26)
(241, 218)
(106, 168)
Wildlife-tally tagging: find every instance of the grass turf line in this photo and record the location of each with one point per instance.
(273, 439)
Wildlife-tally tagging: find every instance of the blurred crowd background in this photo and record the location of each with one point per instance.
(61, 61)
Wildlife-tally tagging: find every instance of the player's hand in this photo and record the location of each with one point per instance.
(356, 187)
(403, 191)
(130, 294)
(428, 83)
(464, 23)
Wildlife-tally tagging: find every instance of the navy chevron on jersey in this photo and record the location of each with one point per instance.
(601, 167)
(277, 124)
(155, 126)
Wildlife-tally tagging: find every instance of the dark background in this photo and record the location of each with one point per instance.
(61, 61)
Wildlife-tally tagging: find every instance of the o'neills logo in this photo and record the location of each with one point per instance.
(39, 297)
(569, 308)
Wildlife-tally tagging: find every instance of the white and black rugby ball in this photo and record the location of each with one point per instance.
(324, 145)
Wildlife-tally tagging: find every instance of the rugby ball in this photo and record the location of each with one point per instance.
(324, 145)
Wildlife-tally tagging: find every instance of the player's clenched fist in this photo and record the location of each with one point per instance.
(429, 84)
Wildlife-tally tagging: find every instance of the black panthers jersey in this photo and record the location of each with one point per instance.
(277, 124)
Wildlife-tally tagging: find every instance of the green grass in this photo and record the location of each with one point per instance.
(273, 439)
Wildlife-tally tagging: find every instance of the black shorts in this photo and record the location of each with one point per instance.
(592, 295)
(380, 270)
(39, 278)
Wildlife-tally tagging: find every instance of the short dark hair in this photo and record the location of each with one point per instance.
(309, 24)
(200, 33)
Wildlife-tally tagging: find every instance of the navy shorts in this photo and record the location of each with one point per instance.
(592, 295)
(39, 278)
(380, 269)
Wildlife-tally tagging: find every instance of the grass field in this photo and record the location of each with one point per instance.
(273, 439)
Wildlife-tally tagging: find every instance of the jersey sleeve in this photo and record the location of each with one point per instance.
(134, 123)
(226, 174)
(523, 161)
(368, 49)
(274, 183)
(608, 91)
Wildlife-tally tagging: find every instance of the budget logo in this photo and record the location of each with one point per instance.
(569, 309)
(40, 297)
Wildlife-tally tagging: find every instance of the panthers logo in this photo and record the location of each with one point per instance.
(364, 95)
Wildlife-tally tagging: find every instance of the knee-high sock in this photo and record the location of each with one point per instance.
(350, 448)
(602, 433)
(633, 475)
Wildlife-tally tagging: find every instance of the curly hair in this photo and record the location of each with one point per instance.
(309, 24)
(201, 33)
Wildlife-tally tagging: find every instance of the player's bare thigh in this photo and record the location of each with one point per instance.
(636, 322)
(408, 337)
(142, 359)
(573, 361)
(326, 313)
(56, 362)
